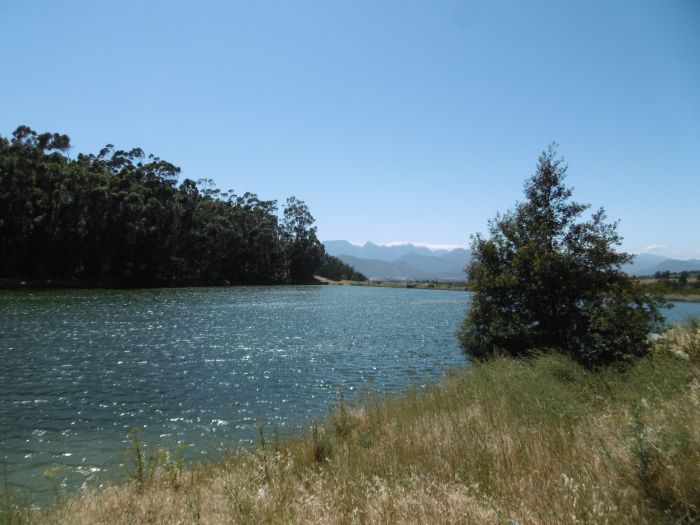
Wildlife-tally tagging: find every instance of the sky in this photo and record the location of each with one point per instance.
(394, 120)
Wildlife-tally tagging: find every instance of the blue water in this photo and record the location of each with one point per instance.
(197, 368)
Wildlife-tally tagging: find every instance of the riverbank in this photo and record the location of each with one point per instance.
(102, 283)
(672, 289)
(462, 286)
(685, 298)
(543, 441)
(108, 283)
(420, 285)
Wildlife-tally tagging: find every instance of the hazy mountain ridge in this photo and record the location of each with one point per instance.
(402, 261)
(381, 253)
(649, 264)
(410, 262)
(673, 265)
(375, 269)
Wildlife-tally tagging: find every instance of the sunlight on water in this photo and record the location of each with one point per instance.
(198, 367)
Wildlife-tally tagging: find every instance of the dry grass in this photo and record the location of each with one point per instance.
(543, 441)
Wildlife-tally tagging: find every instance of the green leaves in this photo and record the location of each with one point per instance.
(119, 215)
(545, 279)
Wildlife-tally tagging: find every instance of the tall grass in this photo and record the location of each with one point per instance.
(536, 441)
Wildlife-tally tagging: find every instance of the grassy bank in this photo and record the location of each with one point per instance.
(672, 288)
(542, 441)
(687, 293)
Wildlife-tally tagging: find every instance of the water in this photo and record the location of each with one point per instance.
(682, 311)
(198, 367)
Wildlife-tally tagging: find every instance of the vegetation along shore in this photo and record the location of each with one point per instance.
(541, 440)
(120, 218)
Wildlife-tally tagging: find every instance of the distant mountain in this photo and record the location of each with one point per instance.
(642, 262)
(649, 264)
(403, 261)
(378, 270)
(375, 251)
(459, 256)
(439, 268)
(411, 262)
(675, 265)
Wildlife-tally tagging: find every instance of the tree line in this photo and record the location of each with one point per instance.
(122, 215)
(671, 280)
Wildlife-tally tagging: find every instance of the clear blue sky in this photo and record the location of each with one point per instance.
(394, 120)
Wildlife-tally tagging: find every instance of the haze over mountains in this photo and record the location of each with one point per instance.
(410, 262)
(402, 262)
(649, 264)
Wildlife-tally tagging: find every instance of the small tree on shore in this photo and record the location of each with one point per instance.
(546, 280)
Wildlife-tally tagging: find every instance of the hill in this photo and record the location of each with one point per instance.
(402, 261)
(378, 270)
(414, 262)
(649, 264)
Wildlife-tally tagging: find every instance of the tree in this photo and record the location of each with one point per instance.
(120, 215)
(335, 269)
(304, 250)
(546, 280)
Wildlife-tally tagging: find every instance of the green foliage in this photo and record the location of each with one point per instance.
(121, 216)
(544, 279)
(666, 283)
(303, 249)
(322, 443)
(336, 270)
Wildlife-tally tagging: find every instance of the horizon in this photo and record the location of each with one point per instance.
(452, 247)
(394, 121)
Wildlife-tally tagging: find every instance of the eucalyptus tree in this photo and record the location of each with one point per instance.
(121, 214)
(304, 250)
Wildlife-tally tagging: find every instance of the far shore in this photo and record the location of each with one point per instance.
(689, 298)
(459, 286)
(107, 283)
(116, 284)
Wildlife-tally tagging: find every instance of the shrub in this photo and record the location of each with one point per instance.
(546, 279)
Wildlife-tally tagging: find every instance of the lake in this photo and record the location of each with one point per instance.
(198, 367)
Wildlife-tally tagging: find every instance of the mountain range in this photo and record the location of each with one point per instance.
(402, 262)
(410, 262)
(649, 264)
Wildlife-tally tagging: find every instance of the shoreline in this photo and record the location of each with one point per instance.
(458, 286)
(115, 284)
(470, 447)
(690, 298)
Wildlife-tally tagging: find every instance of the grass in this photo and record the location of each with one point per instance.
(537, 441)
(672, 289)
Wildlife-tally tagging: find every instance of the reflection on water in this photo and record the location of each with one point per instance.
(198, 367)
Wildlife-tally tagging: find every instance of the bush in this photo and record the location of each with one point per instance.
(546, 280)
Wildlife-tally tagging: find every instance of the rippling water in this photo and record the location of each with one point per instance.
(198, 367)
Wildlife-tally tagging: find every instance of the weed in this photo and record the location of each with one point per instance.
(340, 417)
(321, 442)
